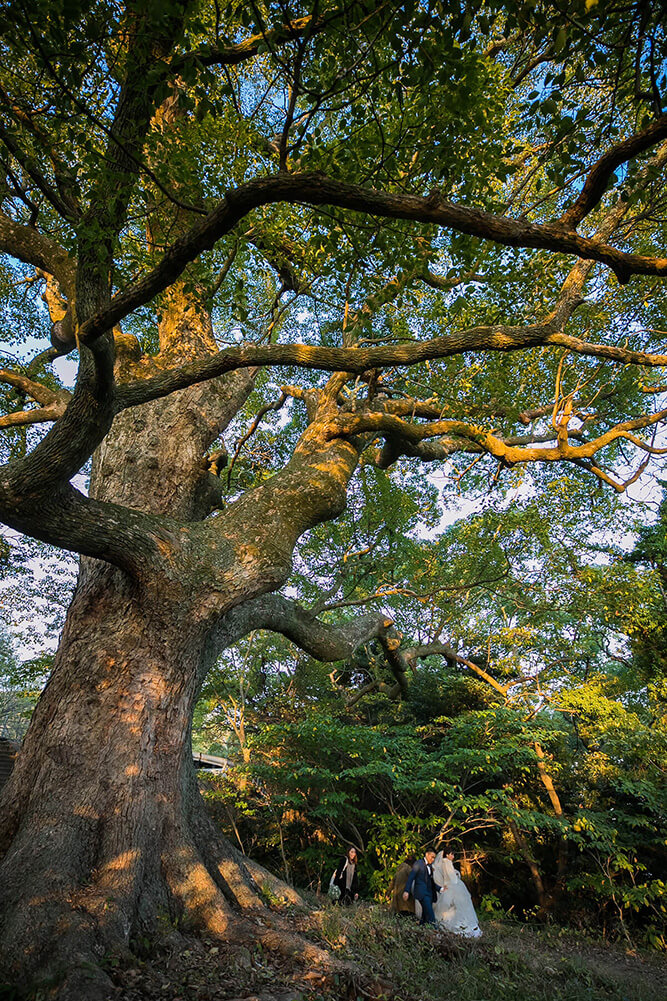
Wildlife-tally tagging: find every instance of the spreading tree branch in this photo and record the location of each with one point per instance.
(40, 415)
(412, 433)
(53, 402)
(38, 392)
(318, 189)
(324, 641)
(233, 55)
(26, 244)
(598, 177)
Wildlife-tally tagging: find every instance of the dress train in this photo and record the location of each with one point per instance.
(454, 909)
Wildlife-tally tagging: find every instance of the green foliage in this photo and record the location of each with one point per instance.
(544, 606)
(510, 961)
(16, 703)
(503, 108)
(315, 782)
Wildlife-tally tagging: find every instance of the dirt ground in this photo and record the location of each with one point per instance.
(551, 964)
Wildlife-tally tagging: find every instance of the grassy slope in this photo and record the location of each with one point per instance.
(398, 960)
(511, 961)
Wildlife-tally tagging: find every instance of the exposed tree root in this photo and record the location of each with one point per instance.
(288, 943)
(242, 878)
(74, 890)
(193, 887)
(263, 877)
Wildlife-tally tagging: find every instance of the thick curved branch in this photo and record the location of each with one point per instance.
(71, 441)
(598, 178)
(390, 424)
(27, 245)
(355, 360)
(151, 38)
(233, 55)
(395, 446)
(53, 403)
(626, 356)
(318, 189)
(88, 417)
(38, 392)
(319, 639)
(409, 655)
(62, 516)
(281, 615)
(40, 415)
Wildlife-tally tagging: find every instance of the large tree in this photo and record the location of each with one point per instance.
(406, 233)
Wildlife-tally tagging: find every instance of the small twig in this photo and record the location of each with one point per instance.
(276, 405)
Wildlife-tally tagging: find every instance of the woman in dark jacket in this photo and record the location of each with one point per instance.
(345, 877)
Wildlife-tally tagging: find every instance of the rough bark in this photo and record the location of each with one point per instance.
(104, 835)
(102, 832)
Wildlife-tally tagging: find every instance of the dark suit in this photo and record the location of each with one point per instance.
(420, 883)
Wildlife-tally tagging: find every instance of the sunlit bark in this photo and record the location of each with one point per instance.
(102, 830)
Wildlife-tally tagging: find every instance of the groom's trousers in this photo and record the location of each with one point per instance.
(428, 917)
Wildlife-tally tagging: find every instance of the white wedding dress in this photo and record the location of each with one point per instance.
(454, 908)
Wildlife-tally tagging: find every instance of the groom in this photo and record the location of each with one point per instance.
(424, 889)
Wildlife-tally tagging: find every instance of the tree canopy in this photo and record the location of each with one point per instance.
(386, 257)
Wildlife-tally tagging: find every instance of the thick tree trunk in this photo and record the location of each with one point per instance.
(103, 835)
(102, 826)
(102, 831)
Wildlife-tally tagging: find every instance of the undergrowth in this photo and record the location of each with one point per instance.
(513, 962)
(387, 959)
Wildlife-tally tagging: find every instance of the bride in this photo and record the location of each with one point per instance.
(454, 908)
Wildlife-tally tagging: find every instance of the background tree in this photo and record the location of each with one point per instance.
(397, 232)
(538, 756)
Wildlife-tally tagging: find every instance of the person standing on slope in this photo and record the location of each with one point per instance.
(345, 877)
(423, 887)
